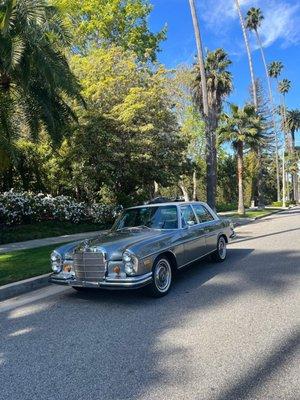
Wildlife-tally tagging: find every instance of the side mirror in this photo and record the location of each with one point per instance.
(191, 223)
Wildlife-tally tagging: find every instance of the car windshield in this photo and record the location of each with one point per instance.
(156, 217)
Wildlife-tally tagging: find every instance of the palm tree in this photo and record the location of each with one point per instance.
(211, 175)
(36, 82)
(219, 85)
(283, 88)
(253, 22)
(292, 126)
(255, 101)
(242, 127)
(274, 69)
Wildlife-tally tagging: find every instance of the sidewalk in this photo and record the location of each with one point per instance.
(31, 244)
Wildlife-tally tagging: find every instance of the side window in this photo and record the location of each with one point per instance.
(187, 216)
(202, 213)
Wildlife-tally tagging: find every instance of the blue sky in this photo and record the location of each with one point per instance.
(220, 27)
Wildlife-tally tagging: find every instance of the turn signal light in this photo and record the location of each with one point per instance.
(117, 270)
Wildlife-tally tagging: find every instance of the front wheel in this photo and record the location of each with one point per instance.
(220, 254)
(162, 278)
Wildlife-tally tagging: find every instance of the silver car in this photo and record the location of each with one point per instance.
(145, 247)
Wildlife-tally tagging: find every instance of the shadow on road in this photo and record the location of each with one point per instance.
(110, 345)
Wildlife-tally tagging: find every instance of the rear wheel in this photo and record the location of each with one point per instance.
(162, 278)
(220, 254)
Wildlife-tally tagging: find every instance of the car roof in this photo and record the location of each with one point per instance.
(169, 203)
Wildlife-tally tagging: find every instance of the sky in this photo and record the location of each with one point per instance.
(280, 33)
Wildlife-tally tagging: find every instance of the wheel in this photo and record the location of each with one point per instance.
(162, 278)
(220, 254)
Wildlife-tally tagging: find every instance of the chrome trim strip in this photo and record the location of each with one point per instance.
(196, 259)
(112, 282)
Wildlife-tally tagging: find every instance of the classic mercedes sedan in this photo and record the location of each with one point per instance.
(145, 247)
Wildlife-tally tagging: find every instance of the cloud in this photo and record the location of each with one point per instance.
(281, 23)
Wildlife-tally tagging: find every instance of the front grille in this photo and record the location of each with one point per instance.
(89, 266)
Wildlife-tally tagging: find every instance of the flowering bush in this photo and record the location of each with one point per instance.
(26, 207)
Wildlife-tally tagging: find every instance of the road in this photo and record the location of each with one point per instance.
(225, 332)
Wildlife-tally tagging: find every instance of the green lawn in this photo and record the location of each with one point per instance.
(23, 264)
(42, 230)
(253, 213)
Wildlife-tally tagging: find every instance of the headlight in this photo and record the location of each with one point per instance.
(56, 262)
(131, 263)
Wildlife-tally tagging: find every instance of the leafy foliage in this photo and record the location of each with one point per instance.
(102, 23)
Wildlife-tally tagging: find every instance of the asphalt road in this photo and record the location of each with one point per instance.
(225, 332)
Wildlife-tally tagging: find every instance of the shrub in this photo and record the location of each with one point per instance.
(226, 207)
(26, 207)
(279, 203)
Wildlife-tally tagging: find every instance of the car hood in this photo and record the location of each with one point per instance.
(114, 242)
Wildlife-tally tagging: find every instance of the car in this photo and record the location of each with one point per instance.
(146, 246)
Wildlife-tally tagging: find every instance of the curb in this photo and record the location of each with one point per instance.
(21, 287)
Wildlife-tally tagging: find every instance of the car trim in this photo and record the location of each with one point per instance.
(197, 259)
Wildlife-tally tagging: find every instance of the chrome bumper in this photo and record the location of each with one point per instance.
(134, 282)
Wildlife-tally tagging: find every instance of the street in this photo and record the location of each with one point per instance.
(226, 331)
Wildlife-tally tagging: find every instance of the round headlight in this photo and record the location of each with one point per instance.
(56, 262)
(56, 268)
(127, 257)
(129, 269)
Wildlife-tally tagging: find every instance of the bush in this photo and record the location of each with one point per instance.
(226, 207)
(26, 207)
(279, 203)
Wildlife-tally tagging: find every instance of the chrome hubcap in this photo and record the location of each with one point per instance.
(162, 275)
(222, 248)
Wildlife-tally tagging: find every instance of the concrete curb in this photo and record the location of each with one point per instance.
(21, 287)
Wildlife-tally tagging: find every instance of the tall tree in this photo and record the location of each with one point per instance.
(36, 83)
(253, 22)
(283, 88)
(211, 168)
(242, 127)
(292, 126)
(219, 86)
(237, 3)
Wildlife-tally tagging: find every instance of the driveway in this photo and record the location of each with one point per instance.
(225, 332)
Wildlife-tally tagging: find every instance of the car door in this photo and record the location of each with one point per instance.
(210, 225)
(193, 235)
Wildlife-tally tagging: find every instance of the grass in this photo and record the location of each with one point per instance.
(23, 264)
(44, 229)
(253, 213)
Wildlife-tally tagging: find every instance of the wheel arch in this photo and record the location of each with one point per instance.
(170, 256)
(224, 236)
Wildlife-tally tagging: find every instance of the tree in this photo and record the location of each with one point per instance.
(211, 170)
(242, 127)
(237, 3)
(283, 88)
(36, 83)
(253, 22)
(102, 23)
(292, 126)
(129, 137)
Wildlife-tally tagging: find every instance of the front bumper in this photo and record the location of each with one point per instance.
(134, 282)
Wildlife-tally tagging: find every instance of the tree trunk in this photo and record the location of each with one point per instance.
(248, 53)
(184, 191)
(239, 151)
(273, 114)
(211, 176)
(195, 185)
(283, 156)
(156, 189)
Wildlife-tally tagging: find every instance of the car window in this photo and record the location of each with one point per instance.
(187, 216)
(160, 217)
(202, 213)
